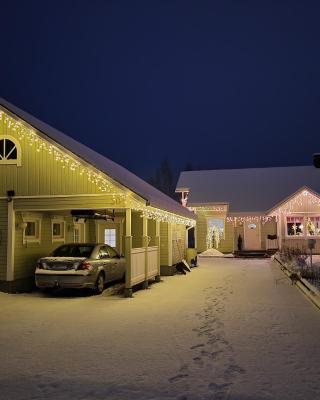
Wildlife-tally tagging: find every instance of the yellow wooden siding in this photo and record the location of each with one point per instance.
(66, 203)
(152, 232)
(3, 238)
(164, 243)
(226, 245)
(178, 243)
(27, 254)
(40, 173)
(90, 228)
(136, 229)
(201, 232)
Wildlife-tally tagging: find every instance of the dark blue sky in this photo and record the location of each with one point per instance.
(220, 83)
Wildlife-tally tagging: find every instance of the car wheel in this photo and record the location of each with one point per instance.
(99, 286)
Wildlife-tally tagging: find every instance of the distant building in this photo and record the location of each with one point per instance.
(268, 207)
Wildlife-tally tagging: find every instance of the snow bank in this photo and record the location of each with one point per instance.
(215, 253)
(212, 253)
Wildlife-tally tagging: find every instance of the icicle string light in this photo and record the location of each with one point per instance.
(304, 198)
(65, 160)
(252, 218)
(222, 208)
(93, 176)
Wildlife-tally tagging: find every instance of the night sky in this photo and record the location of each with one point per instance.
(221, 84)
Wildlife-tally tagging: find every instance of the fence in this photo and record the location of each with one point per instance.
(144, 264)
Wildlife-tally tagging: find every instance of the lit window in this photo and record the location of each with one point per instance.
(110, 237)
(31, 230)
(217, 223)
(58, 231)
(9, 151)
(313, 226)
(295, 226)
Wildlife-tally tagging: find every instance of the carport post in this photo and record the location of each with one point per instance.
(170, 250)
(128, 248)
(157, 240)
(145, 242)
(10, 240)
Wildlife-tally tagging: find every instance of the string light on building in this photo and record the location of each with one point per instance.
(251, 218)
(221, 208)
(29, 135)
(304, 199)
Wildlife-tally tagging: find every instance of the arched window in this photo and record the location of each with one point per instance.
(9, 151)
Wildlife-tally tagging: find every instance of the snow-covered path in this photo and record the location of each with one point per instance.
(231, 329)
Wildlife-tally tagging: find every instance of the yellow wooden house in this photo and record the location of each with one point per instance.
(54, 190)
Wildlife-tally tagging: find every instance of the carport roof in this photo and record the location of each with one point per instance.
(153, 196)
(247, 190)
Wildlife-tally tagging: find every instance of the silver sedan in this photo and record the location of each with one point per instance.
(80, 265)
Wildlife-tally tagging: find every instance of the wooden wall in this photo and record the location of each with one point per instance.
(40, 173)
(178, 243)
(3, 238)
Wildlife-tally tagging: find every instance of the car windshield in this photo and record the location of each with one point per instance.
(73, 251)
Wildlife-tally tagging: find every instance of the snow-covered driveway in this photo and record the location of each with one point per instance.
(231, 329)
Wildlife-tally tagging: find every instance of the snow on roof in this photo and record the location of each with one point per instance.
(115, 171)
(248, 190)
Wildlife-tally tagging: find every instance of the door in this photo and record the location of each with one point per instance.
(252, 237)
(79, 232)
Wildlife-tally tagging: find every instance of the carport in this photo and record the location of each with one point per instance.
(51, 178)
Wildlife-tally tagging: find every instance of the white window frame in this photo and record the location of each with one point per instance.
(115, 237)
(62, 224)
(37, 219)
(16, 161)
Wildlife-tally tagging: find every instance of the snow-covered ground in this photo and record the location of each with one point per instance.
(231, 329)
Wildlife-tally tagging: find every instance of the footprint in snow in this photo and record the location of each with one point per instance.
(196, 346)
(177, 378)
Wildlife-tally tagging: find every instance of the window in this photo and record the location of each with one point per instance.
(313, 226)
(110, 237)
(58, 230)
(31, 229)
(9, 151)
(217, 223)
(295, 226)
